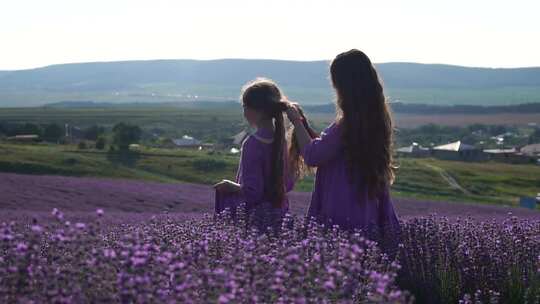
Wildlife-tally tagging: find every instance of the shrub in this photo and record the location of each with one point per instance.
(82, 145)
(209, 164)
(53, 132)
(126, 134)
(100, 143)
(70, 161)
(93, 132)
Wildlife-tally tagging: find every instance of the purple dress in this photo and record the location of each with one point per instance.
(254, 177)
(335, 200)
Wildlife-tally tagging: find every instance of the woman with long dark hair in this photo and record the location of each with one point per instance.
(353, 156)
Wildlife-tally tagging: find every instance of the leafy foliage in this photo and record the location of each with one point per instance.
(53, 132)
(126, 134)
(100, 143)
(93, 132)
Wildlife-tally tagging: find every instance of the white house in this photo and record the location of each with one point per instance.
(458, 151)
(532, 150)
(187, 142)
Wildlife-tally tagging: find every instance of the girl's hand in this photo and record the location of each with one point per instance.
(227, 186)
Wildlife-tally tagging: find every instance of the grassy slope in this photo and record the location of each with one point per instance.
(417, 178)
(67, 160)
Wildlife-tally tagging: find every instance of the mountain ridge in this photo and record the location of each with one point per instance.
(188, 79)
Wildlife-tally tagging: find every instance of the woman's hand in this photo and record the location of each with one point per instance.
(294, 114)
(227, 186)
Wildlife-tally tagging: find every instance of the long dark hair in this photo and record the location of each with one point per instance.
(297, 165)
(365, 120)
(264, 96)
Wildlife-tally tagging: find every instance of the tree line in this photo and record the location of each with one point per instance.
(417, 108)
(121, 135)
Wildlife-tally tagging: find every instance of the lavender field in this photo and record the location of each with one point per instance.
(119, 241)
(23, 193)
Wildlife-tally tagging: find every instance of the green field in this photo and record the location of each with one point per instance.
(207, 125)
(493, 183)
(500, 95)
(418, 178)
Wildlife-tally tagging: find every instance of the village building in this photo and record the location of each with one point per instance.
(134, 147)
(73, 134)
(458, 151)
(507, 155)
(531, 150)
(414, 150)
(25, 138)
(188, 142)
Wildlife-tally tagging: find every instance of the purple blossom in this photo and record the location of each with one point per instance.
(21, 247)
(37, 228)
(173, 260)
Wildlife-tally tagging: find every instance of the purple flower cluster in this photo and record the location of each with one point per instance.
(204, 260)
(222, 260)
(467, 261)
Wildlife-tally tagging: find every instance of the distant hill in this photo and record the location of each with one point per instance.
(397, 107)
(149, 105)
(413, 108)
(221, 80)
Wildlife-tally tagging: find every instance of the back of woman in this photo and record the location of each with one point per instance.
(338, 199)
(353, 156)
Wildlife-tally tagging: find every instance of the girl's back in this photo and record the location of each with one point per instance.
(255, 169)
(262, 179)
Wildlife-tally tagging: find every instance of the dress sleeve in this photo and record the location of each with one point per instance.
(323, 148)
(251, 172)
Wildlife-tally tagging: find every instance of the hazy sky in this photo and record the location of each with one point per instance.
(486, 33)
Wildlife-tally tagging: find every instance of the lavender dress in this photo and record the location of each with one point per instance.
(335, 200)
(254, 177)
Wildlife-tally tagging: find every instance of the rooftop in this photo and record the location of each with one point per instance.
(455, 146)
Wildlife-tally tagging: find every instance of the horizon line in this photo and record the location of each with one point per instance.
(258, 59)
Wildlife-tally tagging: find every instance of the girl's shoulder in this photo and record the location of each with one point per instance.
(253, 149)
(260, 137)
(252, 143)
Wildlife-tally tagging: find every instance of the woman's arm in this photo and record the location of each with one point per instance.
(310, 130)
(302, 134)
(319, 150)
(324, 148)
